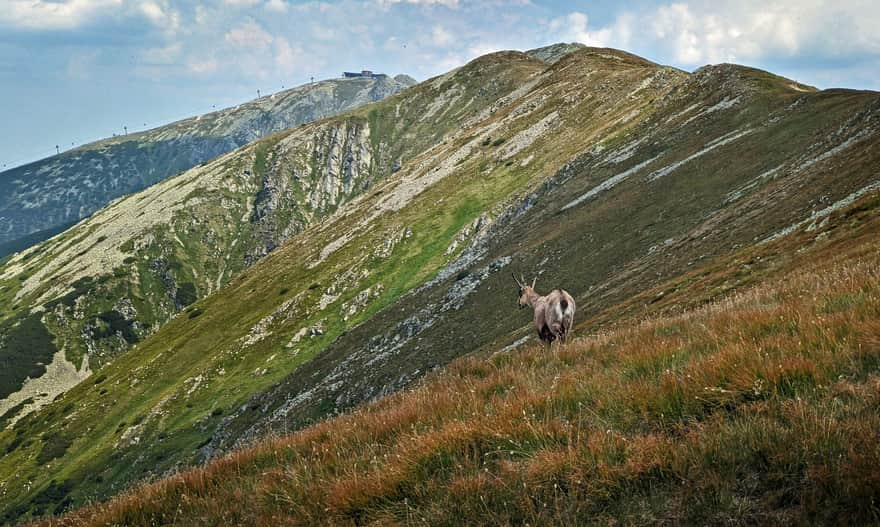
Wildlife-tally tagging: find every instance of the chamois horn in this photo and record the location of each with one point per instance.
(515, 279)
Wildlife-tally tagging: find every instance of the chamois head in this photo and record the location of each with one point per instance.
(525, 291)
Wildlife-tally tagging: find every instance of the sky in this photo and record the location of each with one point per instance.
(74, 71)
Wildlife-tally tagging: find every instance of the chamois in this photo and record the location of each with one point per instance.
(554, 312)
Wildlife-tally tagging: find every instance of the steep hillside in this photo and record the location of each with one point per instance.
(761, 408)
(41, 196)
(728, 158)
(90, 293)
(599, 171)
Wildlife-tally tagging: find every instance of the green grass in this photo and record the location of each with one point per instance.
(184, 341)
(744, 427)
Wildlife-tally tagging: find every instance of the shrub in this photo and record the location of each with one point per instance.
(24, 342)
(80, 288)
(117, 324)
(54, 445)
(186, 294)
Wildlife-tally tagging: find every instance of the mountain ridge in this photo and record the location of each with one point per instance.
(71, 185)
(613, 176)
(115, 277)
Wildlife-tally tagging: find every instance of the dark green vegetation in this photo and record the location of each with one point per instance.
(26, 347)
(639, 188)
(114, 323)
(13, 411)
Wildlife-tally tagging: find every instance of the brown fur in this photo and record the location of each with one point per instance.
(554, 312)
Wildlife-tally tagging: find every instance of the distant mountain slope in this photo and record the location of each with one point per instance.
(85, 296)
(602, 172)
(65, 188)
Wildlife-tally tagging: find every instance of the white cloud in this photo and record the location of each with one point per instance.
(241, 3)
(440, 37)
(46, 15)
(698, 32)
(574, 27)
(250, 34)
(277, 6)
(68, 15)
(448, 3)
(203, 15)
(163, 16)
(253, 50)
(152, 11)
(290, 59)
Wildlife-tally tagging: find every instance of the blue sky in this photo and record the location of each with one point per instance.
(73, 71)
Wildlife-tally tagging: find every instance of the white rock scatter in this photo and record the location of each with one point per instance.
(712, 145)
(609, 183)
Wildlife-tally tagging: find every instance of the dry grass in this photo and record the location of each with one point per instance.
(763, 408)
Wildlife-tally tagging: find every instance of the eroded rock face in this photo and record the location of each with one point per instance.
(309, 181)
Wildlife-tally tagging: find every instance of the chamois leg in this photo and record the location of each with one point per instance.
(558, 331)
(565, 331)
(546, 335)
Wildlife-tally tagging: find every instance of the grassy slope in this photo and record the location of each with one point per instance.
(761, 407)
(218, 233)
(171, 394)
(615, 251)
(153, 394)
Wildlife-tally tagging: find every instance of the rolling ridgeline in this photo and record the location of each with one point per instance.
(335, 263)
(43, 198)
